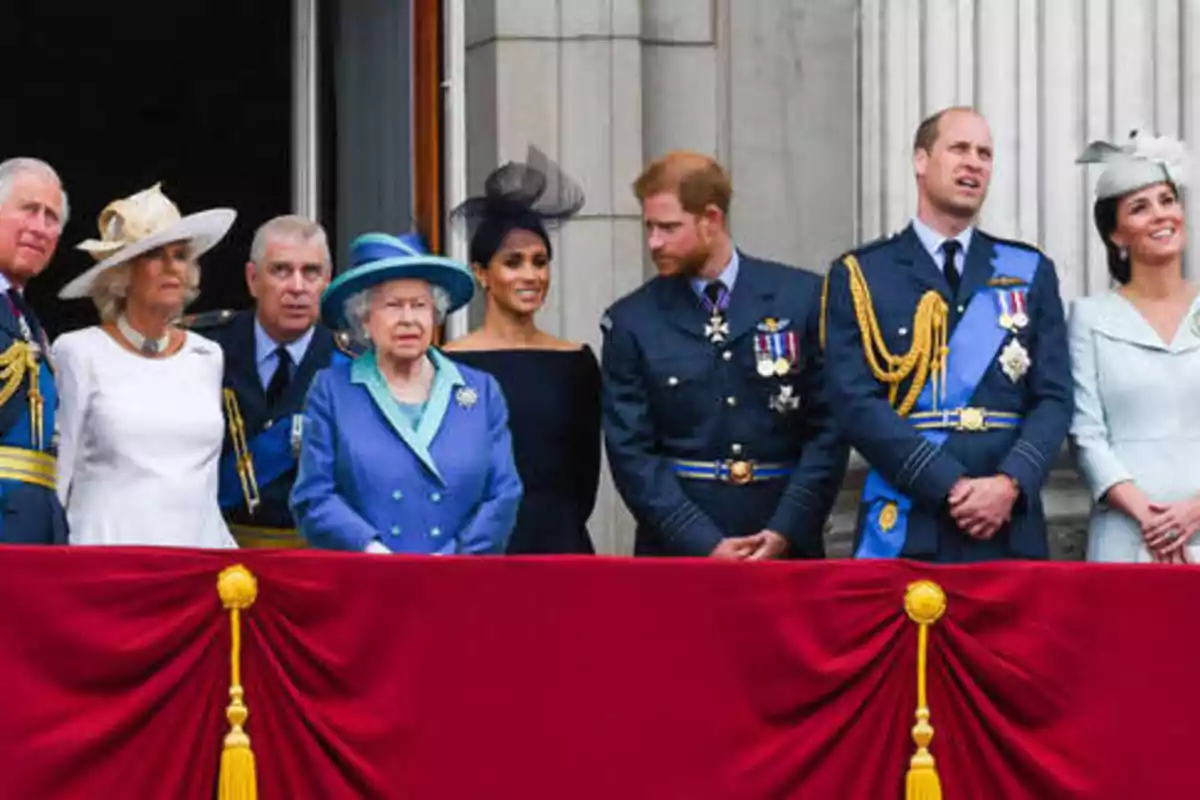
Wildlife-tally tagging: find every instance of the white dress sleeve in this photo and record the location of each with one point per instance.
(73, 380)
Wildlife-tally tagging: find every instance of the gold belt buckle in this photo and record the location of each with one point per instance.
(740, 472)
(972, 419)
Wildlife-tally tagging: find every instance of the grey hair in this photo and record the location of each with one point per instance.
(13, 168)
(111, 288)
(293, 228)
(358, 305)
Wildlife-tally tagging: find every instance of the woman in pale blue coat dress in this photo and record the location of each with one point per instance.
(1135, 355)
(403, 451)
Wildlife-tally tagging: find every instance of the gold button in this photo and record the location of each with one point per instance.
(731, 401)
(736, 449)
(672, 381)
(727, 355)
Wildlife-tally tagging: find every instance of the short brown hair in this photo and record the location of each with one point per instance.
(930, 128)
(696, 179)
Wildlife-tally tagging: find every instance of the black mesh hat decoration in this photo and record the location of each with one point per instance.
(534, 196)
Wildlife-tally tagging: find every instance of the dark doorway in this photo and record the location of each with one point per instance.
(118, 96)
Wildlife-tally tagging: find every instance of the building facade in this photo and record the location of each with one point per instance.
(812, 105)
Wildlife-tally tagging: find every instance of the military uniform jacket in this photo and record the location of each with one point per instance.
(898, 271)
(32, 513)
(669, 393)
(235, 334)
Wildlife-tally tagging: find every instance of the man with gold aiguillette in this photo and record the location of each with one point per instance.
(271, 355)
(948, 368)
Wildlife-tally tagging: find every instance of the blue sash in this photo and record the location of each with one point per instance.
(273, 456)
(976, 340)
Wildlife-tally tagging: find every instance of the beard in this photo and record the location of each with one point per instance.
(689, 265)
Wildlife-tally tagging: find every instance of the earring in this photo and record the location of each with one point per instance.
(1123, 253)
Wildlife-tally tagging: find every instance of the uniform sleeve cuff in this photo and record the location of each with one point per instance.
(931, 483)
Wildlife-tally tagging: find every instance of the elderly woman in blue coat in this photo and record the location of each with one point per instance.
(403, 450)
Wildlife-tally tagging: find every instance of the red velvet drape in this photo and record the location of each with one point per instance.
(591, 678)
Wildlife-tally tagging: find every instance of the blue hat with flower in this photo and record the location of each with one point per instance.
(380, 257)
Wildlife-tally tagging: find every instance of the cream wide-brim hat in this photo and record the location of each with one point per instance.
(135, 225)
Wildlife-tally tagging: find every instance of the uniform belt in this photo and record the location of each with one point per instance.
(27, 466)
(260, 536)
(731, 471)
(971, 418)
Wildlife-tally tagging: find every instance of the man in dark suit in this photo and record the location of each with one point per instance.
(949, 367)
(717, 433)
(271, 356)
(33, 211)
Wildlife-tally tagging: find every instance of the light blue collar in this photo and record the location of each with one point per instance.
(932, 241)
(728, 276)
(365, 370)
(265, 347)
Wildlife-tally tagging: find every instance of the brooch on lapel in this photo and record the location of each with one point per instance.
(466, 396)
(1004, 281)
(1014, 360)
(787, 400)
(776, 350)
(1010, 305)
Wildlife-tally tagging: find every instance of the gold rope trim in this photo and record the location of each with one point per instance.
(19, 360)
(241, 451)
(925, 603)
(238, 589)
(926, 357)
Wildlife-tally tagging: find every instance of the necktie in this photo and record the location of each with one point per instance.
(951, 247)
(24, 313)
(281, 378)
(714, 296)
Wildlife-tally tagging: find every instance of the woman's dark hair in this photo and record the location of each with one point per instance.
(532, 197)
(1105, 214)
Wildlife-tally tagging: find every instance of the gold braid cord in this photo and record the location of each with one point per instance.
(238, 778)
(925, 603)
(16, 362)
(925, 359)
(241, 451)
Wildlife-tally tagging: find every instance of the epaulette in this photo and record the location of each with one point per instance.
(1014, 243)
(206, 319)
(874, 244)
(343, 341)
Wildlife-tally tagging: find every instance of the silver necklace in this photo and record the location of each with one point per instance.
(148, 347)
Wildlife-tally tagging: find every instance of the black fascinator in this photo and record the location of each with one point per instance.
(534, 196)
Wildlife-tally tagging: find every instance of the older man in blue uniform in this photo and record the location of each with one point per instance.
(272, 354)
(33, 210)
(949, 368)
(717, 433)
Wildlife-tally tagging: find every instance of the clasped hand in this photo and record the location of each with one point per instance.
(980, 506)
(1168, 527)
(763, 545)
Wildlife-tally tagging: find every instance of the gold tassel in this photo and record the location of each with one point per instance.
(924, 602)
(237, 781)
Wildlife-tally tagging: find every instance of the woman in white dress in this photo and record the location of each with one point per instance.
(140, 417)
(1135, 354)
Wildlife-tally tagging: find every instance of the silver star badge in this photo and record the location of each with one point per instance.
(1014, 360)
(717, 329)
(787, 400)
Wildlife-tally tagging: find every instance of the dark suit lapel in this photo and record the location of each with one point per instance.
(317, 356)
(681, 306)
(921, 266)
(751, 298)
(9, 322)
(241, 370)
(977, 268)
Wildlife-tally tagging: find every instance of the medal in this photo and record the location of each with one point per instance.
(766, 368)
(717, 328)
(787, 400)
(1019, 317)
(782, 366)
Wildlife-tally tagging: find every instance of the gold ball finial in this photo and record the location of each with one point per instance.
(238, 587)
(924, 602)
